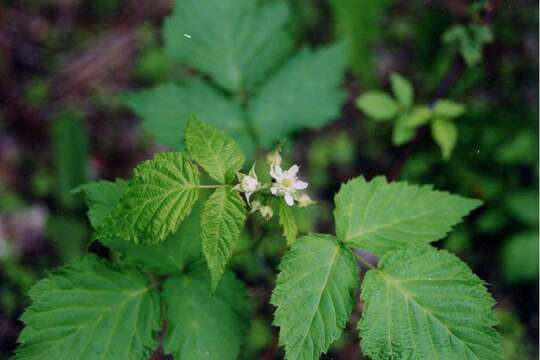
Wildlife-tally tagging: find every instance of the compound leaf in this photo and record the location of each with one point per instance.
(165, 109)
(305, 92)
(288, 222)
(222, 220)
(158, 197)
(380, 216)
(236, 42)
(212, 149)
(202, 324)
(422, 303)
(314, 295)
(91, 310)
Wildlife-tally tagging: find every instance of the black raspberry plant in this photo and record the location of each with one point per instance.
(172, 234)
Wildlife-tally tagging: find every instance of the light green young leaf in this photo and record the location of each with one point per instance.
(288, 222)
(212, 149)
(303, 93)
(165, 109)
(159, 196)
(402, 89)
(445, 134)
(427, 304)
(236, 42)
(402, 132)
(419, 116)
(314, 295)
(520, 258)
(380, 216)
(172, 255)
(448, 109)
(91, 310)
(222, 220)
(377, 105)
(101, 198)
(202, 324)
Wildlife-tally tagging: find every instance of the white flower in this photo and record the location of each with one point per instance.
(287, 184)
(248, 183)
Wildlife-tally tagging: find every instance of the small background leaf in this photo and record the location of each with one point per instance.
(445, 134)
(402, 89)
(377, 105)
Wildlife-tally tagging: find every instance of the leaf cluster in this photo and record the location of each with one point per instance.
(407, 117)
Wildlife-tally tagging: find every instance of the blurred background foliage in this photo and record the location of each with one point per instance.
(65, 65)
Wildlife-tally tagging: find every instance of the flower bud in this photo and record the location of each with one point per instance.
(274, 158)
(304, 200)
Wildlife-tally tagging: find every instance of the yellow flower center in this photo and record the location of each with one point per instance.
(286, 183)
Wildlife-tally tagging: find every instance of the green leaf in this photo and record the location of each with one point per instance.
(304, 93)
(212, 149)
(402, 132)
(402, 89)
(520, 258)
(202, 324)
(222, 220)
(172, 255)
(445, 134)
(426, 304)
(91, 310)
(70, 153)
(448, 109)
(165, 109)
(377, 105)
(288, 222)
(419, 116)
(380, 216)
(236, 42)
(314, 295)
(101, 198)
(159, 196)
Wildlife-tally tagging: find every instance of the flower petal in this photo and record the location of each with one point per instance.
(300, 185)
(293, 170)
(289, 199)
(274, 190)
(276, 172)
